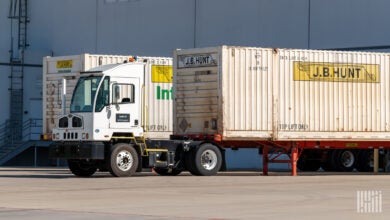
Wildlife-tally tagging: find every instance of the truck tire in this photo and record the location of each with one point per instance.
(123, 160)
(207, 159)
(344, 160)
(82, 168)
(190, 162)
(307, 162)
(308, 165)
(167, 172)
(365, 161)
(328, 164)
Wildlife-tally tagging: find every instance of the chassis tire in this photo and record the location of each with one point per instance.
(207, 159)
(123, 160)
(365, 161)
(167, 171)
(82, 168)
(305, 164)
(190, 162)
(344, 160)
(328, 164)
(309, 161)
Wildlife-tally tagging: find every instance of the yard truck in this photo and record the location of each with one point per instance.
(326, 109)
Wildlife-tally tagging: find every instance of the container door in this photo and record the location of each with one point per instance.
(125, 107)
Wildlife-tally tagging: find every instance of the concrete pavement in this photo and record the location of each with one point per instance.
(50, 193)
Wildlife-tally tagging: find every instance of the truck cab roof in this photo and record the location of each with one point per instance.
(110, 68)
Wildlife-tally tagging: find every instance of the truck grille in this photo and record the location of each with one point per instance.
(70, 136)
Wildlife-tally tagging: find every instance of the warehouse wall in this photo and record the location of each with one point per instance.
(266, 23)
(157, 27)
(349, 23)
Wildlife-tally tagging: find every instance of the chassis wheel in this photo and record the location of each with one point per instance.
(190, 162)
(207, 159)
(82, 168)
(305, 164)
(167, 171)
(123, 160)
(344, 160)
(365, 161)
(328, 164)
(308, 162)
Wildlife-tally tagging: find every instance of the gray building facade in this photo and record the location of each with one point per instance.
(157, 27)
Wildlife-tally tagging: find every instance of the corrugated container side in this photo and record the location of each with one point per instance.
(247, 85)
(159, 95)
(196, 81)
(283, 94)
(333, 95)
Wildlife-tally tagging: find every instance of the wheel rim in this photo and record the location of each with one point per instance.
(124, 160)
(209, 159)
(347, 159)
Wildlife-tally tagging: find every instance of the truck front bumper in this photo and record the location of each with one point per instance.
(77, 150)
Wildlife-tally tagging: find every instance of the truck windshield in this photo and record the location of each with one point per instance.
(84, 94)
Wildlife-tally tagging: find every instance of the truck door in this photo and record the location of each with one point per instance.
(125, 105)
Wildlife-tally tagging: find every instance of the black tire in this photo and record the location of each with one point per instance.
(190, 162)
(207, 160)
(309, 161)
(328, 164)
(365, 161)
(344, 160)
(167, 172)
(305, 164)
(82, 168)
(123, 160)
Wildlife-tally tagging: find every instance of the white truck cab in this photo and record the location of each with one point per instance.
(96, 113)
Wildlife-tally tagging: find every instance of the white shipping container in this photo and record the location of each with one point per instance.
(281, 94)
(158, 90)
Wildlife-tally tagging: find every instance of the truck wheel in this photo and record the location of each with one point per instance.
(344, 160)
(365, 161)
(328, 164)
(307, 163)
(123, 160)
(82, 168)
(190, 162)
(167, 172)
(208, 159)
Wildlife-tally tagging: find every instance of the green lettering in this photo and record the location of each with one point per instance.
(158, 92)
(164, 94)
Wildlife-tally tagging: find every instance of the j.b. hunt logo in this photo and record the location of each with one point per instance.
(369, 201)
(336, 72)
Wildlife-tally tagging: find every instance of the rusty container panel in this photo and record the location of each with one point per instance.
(224, 90)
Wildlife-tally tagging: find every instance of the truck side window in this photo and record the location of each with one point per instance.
(102, 98)
(123, 93)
